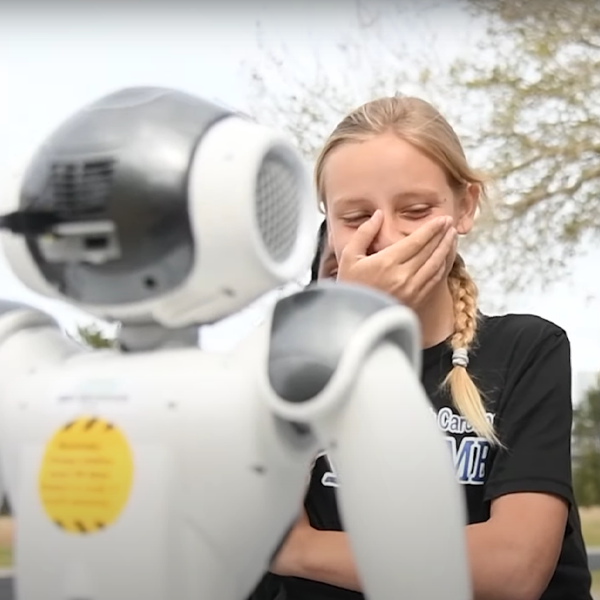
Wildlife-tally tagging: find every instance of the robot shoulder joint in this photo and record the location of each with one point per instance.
(310, 331)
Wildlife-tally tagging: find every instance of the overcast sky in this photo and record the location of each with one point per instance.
(53, 61)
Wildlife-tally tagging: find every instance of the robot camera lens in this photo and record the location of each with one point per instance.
(96, 242)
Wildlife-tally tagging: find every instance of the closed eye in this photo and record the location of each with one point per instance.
(418, 213)
(356, 219)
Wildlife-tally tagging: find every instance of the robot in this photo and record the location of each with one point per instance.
(155, 469)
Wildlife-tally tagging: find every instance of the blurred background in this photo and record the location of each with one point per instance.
(518, 79)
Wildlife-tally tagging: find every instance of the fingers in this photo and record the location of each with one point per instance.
(420, 258)
(433, 269)
(364, 237)
(429, 285)
(422, 241)
(415, 263)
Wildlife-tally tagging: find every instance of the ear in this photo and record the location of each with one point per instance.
(469, 204)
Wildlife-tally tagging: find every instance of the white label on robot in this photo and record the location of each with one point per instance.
(86, 475)
(93, 392)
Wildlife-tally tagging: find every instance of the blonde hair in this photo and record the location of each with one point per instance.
(420, 124)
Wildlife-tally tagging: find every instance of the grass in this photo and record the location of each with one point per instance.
(596, 583)
(5, 558)
(5, 542)
(590, 525)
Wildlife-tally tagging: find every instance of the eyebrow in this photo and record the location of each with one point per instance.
(417, 194)
(350, 202)
(423, 194)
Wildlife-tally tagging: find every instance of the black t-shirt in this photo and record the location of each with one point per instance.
(521, 364)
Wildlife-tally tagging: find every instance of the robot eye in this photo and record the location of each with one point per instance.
(92, 242)
(96, 242)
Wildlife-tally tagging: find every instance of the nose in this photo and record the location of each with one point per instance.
(390, 233)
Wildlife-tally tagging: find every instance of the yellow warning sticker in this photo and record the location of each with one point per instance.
(86, 475)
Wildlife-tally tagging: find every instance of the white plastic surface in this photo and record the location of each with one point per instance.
(215, 484)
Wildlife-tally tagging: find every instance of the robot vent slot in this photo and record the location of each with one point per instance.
(277, 206)
(82, 188)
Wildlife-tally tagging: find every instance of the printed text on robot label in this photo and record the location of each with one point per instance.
(469, 452)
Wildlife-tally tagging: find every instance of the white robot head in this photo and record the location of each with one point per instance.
(154, 206)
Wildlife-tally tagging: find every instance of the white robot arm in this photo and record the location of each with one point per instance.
(343, 366)
(156, 470)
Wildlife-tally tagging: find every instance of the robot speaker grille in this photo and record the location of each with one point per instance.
(277, 209)
(82, 188)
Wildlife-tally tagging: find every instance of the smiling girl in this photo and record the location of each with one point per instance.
(397, 191)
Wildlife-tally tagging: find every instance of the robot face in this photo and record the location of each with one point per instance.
(116, 173)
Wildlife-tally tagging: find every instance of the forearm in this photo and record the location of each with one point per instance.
(500, 569)
(497, 571)
(327, 558)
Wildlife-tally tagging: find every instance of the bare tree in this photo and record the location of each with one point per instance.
(523, 98)
(541, 141)
(361, 66)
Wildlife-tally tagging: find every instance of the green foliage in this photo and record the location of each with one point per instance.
(523, 98)
(586, 449)
(94, 337)
(536, 75)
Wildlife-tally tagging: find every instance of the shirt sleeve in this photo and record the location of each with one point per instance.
(534, 425)
(269, 588)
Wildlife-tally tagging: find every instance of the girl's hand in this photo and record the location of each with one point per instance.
(408, 269)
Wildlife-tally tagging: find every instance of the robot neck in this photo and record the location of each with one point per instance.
(150, 337)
